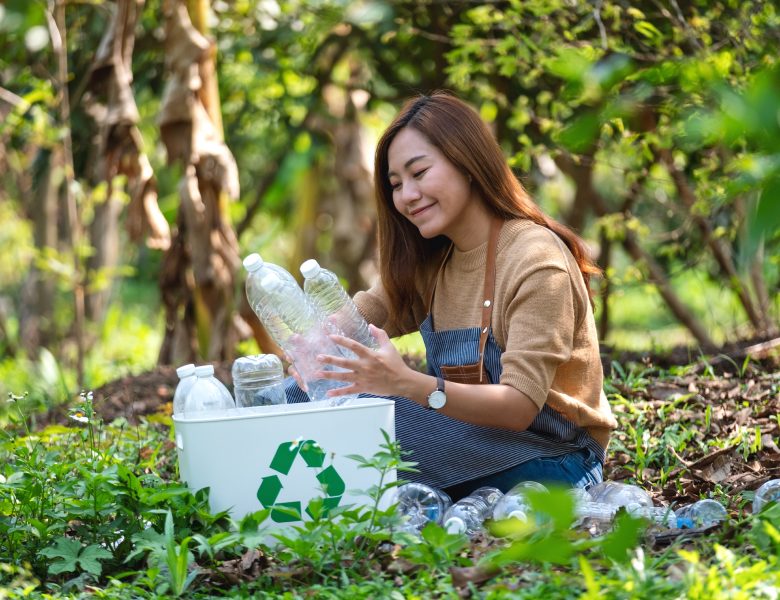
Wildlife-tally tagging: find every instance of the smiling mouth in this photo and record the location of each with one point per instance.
(417, 211)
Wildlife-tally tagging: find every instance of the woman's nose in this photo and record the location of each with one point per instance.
(410, 191)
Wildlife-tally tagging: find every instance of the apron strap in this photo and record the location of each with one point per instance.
(488, 290)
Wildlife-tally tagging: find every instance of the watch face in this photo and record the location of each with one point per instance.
(437, 399)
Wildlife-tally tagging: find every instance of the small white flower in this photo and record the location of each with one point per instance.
(89, 396)
(2, 479)
(80, 417)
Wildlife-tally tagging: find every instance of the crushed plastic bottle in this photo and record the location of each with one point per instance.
(325, 291)
(658, 516)
(514, 504)
(467, 515)
(702, 513)
(420, 504)
(619, 494)
(295, 325)
(205, 394)
(768, 492)
(186, 375)
(258, 380)
(594, 517)
(489, 494)
(590, 515)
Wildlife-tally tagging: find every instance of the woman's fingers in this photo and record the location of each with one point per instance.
(293, 372)
(356, 347)
(336, 361)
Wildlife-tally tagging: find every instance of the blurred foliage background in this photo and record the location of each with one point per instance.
(146, 146)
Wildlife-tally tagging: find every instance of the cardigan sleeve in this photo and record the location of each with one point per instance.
(373, 303)
(539, 323)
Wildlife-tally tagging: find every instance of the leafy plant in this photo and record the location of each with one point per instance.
(72, 555)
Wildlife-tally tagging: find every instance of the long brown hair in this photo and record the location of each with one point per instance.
(463, 137)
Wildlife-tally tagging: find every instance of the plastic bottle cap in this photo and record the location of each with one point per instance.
(185, 370)
(455, 525)
(204, 371)
(309, 268)
(270, 282)
(253, 262)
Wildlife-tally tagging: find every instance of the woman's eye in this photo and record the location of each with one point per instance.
(419, 174)
(395, 186)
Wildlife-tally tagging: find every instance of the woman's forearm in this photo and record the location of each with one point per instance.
(491, 405)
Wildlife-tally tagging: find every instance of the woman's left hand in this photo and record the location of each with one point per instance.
(379, 371)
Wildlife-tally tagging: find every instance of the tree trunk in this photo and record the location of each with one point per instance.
(717, 248)
(582, 176)
(109, 100)
(36, 310)
(350, 203)
(197, 278)
(58, 33)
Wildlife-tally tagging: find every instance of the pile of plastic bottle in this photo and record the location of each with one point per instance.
(595, 509)
(299, 320)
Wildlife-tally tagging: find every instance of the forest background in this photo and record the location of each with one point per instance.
(147, 146)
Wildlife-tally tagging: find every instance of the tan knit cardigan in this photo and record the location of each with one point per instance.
(542, 320)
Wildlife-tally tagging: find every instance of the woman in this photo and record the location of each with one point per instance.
(499, 293)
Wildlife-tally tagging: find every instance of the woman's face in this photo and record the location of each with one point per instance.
(430, 191)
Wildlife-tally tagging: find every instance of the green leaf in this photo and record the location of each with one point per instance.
(67, 550)
(556, 503)
(90, 557)
(569, 64)
(766, 220)
(579, 135)
(554, 548)
(647, 29)
(623, 537)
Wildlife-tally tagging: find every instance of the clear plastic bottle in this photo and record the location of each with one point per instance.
(489, 494)
(768, 492)
(467, 515)
(591, 515)
(254, 264)
(325, 291)
(514, 504)
(594, 517)
(296, 325)
(420, 504)
(186, 375)
(258, 380)
(702, 513)
(208, 371)
(619, 494)
(205, 394)
(658, 516)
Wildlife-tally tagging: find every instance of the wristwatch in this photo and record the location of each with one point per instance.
(437, 398)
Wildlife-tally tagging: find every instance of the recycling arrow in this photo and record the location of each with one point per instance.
(284, 457)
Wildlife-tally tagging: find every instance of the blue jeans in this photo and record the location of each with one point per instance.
(577, 469)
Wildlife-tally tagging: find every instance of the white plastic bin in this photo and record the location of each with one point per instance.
(280, 457)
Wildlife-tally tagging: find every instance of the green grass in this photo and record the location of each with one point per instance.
(96, 509)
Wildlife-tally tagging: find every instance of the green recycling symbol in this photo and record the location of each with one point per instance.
(314, 457)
